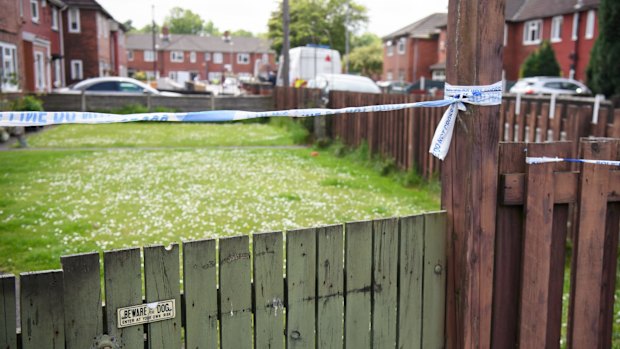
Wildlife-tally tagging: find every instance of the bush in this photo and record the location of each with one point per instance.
(603, 72)
(541, 62)
(27, 103)
(299, 133)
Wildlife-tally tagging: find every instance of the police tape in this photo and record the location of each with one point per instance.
(455, 99)
(546, 160)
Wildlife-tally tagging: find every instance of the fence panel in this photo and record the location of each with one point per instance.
(236, 297)
(41, 309)
(82, 292)
(330, 280)
(268, 290)
(434, 281)
(200, 292)
(8, 322)
(358, 259)
(385, 274)
(123, 287)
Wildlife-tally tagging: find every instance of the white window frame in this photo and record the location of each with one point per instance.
(243, 58)
(532, 32)
(389, 48)
(54, 18)
(590, 25)
(8, 60)
(73, 15)
(389, 76)
(34, 11)
(575, 26)
(401, 46)
(130, 55)
(149, 56)
(57, 73)
(218, 58)
(77, 69)
(176, 56)
(39, 70)
(192, 57)
(207, 56)
(556, 28)
(439, 75)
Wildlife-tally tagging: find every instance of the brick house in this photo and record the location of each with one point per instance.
(409, 52)
(94, 42)
(11, 76)
(42, 50)
(571, 26)
(186, 57)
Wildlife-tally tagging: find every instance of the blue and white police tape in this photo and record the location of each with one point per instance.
(546, 160)
(455, 98)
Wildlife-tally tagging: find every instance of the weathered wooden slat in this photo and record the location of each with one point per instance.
(610, 259)
(411, 274)
(330, 272)
(385, 276)
(82, 292)
(235, 293)
(433, 319)
(564, 187)
(123, 287)
(589, 248)
(162, 282)
(41, 310)
(358, 263)
(508, 250)
(200, 291)
(8, 319)
(301, 285)
(538, 236)
(268, 290)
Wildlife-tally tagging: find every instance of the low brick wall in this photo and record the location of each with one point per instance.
(71, 102)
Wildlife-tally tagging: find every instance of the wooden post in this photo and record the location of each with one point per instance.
(469, 180)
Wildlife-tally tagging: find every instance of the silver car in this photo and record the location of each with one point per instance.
(550, 85)
(114, 84)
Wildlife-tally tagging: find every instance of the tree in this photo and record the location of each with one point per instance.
(183, 21)
(366, 57)
(243, 33)
(317, 22)
(128, 24)
(541, 62)
(603, 72)
(149, 28)
(210, 29)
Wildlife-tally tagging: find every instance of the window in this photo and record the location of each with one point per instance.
(401, 46)
(439, 75)
(57, 73)
(39, 70)
(8, 59)
(265, 58)
(556, 29)
(54, 18)
(218, 58)
(124, 86)
(74, 20)
(149, 56)
(130, 55)
(207, 56)
(390, 48)
(76, 69)
(176, 56)
(531, 32)
(243, 58)
(34, 10)
(103, 86)
(590, 25)
(192, 57)
(389, 76)
(575, 26)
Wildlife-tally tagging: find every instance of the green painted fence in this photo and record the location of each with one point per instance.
(377, 284)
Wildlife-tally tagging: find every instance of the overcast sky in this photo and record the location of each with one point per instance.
(386, 16)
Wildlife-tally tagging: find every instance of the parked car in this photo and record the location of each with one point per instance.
(344, 82)
(550, 85)
(393, 86)
(114, 84)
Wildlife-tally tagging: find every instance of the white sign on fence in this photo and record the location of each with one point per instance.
(145, 313)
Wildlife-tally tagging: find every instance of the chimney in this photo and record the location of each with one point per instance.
(165, 33)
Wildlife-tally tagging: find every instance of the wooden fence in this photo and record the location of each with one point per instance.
(382, 286)
(406, 135)
(533, 215)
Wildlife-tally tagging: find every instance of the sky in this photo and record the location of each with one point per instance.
(386, 16)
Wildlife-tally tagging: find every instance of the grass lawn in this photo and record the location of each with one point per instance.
(63, 201)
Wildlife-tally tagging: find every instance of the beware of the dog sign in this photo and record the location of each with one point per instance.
(145, 313)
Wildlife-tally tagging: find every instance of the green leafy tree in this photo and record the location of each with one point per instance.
(210, 29)
(541, 62)
(603, 72)
(243, 33)
(366, 57)
(183, 21)
(149, 28)
(128, 24)
(317, 21)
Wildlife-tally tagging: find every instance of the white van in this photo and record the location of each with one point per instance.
(309, 61)
(344, 82)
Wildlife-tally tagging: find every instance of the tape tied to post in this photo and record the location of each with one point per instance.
(546, 160)
(456, 97)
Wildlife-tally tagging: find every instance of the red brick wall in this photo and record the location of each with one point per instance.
(82, 45)
(419, 55)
